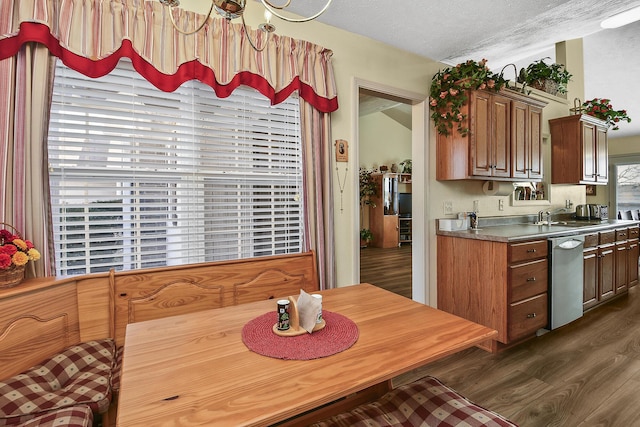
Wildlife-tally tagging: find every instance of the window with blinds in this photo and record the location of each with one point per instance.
(143, 178)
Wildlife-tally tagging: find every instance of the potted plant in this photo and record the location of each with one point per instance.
(368, 190)
(406, 166)
(366, 236)
(449, 92)
(550, 78)
(603, 110)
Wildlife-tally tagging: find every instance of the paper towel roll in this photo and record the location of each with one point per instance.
(497, 188)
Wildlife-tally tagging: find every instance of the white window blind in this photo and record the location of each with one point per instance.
(143, 178)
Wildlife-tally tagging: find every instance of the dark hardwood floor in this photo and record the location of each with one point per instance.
(389, 269)
(583, 374)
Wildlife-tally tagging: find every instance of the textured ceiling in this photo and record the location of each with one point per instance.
(504, 32)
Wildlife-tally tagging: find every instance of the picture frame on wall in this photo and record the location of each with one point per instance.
(590, 190)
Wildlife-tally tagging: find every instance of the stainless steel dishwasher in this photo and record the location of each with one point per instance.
(566, 284)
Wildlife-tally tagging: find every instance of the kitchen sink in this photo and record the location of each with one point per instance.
(570, 223)
(577, 223)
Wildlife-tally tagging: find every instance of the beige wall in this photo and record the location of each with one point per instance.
(359, 58)
(383, 141)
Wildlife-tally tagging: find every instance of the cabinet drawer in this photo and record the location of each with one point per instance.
(621, 234)
(607, 237)
(591, 240)
(526, 317)
(527, 280)
(634, 232)
(527, 251)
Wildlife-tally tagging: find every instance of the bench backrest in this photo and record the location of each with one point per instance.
(154, 293)
(35, 325)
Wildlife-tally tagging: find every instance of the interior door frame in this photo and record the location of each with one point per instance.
(419, 181)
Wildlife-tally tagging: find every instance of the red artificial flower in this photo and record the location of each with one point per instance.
(8, 249)
(5, 261)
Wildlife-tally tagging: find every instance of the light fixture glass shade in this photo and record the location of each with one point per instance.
(229, 9)
(622, 19)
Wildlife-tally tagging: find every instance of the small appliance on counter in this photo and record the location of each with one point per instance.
(582, 212)
(599, 212)
(592, 212)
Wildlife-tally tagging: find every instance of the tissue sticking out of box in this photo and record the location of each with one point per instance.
(308, 308)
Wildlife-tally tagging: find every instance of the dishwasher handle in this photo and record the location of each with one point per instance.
(570, 244)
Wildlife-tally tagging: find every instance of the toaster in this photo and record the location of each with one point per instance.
(599, 212)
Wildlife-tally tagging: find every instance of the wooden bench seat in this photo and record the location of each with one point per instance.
(79, 375)
(43, 317)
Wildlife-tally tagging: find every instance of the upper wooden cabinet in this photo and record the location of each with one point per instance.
(504, 142)
(579, 150)
(526, 141)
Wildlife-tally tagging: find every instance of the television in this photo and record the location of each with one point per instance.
(404, 205)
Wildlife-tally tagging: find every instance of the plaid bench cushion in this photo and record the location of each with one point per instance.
(426, 402)
(75, 416)
(81, 374)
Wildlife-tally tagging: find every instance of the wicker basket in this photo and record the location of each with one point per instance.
(13, 275)
(545, 85)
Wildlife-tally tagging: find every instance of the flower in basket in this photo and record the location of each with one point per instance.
(449, 89)
(601, 108)
(15, 251)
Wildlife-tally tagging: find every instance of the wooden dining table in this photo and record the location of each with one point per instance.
(195, 370)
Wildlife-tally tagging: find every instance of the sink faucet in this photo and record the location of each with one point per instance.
(542, 215)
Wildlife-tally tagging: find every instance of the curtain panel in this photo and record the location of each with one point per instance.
(26, 81)
(90, 36)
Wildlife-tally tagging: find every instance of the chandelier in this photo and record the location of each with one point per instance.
(231, 9)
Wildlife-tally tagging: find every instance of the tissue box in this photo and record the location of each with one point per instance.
(453, 224)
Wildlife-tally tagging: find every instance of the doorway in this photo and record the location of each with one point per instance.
(391, 140)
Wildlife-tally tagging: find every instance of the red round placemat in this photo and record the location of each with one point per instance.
(339, 334)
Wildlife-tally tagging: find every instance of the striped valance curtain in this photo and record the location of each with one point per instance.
(90, 36)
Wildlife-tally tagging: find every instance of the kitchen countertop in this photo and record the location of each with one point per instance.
(514, 232)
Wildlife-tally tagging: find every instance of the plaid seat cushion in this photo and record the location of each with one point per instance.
(81, 374)
(426, 402)
(75, 416)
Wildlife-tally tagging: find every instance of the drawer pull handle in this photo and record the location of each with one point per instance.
(530, 251)
(531, 315)
(531, 279)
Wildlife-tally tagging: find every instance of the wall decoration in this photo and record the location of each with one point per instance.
(342, 150)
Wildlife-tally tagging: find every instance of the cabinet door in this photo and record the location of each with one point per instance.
(621, 267)
(519, 140)
(606, 271)
(589, 170)
(590, 287)
(526, 141)
(632, 262)
(501, 133)
(535, 143)
(480, 149)
(602, 156)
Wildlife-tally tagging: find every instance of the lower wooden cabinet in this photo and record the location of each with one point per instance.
(633, 253)
(610, 264)
(500, 285)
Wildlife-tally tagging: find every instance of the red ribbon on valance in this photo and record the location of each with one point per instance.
(91, 37)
